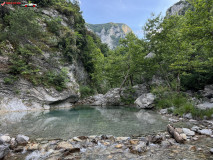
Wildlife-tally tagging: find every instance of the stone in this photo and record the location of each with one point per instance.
(192, 148)
(165, 144)
(13, 143)
(4, 150)
(121, 138)
(205, 105)
(64, 145)
(22, 139)
(140, 148)
(5, 139)
(77, 139)
(211, 150)
(118, 146)
(133, 142)
(106, 143)
(195, 138)
(207, 132)
(195, 128)
(188, 132)
(155, 139)
(145, 101)
(164, 111)
(32, 147)
(188, 116)
(173, 120)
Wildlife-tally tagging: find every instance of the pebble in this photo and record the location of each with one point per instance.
(119, 146)
(207, 132)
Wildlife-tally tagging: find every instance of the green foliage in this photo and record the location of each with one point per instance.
(54, 25)
(86, 91)
(10, 80)
(22, 25)
(56, 79)
(128, 97)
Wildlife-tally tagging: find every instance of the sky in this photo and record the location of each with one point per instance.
(133, 13)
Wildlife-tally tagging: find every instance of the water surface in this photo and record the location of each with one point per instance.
(83, 120)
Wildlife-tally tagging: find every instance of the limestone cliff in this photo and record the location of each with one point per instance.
(178, 8)
(110, 33)
(26, 77)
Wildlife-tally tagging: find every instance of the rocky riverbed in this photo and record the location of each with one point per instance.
(198, 144)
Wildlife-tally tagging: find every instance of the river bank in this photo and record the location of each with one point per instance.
(198, 144)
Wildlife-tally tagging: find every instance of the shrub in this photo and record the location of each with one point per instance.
(10, 80)
(86, 91)
(54, 25)
(55, 79)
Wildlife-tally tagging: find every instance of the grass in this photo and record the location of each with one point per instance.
(180, 101)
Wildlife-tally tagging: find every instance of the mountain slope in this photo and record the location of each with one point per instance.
(178, 8)
(110, 33)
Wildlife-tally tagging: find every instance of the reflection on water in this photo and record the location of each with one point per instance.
(82, 120)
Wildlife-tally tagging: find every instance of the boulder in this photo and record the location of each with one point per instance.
(22, 139)
(208, 91)
(207, 132)
(188, 132)
(5, 139)
(205, 105)
(145, 101)
(4, 150)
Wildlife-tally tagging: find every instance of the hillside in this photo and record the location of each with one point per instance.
(46, 53)
(110, 33)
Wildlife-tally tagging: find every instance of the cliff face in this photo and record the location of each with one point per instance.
(110, 33)
(26, 77)
(178, 8)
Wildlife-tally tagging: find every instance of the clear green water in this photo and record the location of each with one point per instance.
(83, 120)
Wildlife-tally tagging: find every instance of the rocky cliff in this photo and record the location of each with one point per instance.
(41, 72)
(178, 8)
(110, 33)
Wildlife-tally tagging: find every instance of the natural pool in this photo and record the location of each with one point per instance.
(83, 120)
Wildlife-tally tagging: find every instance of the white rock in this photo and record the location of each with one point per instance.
(164, 111)
(211, 150)
(188, 132)
(195, 128)
(145, 101)
(205, 105)
(5, 139)
(207, 132)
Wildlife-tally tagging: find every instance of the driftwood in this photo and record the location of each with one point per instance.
(175, 134)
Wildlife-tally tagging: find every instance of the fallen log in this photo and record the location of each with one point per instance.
(175, 134)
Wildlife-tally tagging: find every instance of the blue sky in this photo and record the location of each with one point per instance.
(134, 13)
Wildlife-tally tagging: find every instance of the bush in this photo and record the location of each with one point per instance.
(86, 91)
(55, 79)
(10, 80)
(54, 25)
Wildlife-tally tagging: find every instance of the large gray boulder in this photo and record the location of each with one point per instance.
(4, 150)
(205, 105)
(145, 101)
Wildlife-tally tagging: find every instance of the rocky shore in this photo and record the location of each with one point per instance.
(197, 144)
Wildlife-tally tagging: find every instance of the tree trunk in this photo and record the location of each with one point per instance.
(124, 81)
(175, 134)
